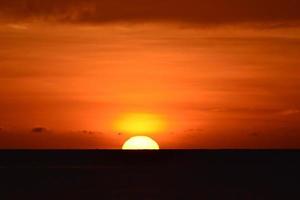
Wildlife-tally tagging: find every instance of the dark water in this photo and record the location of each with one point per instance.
(142, 175)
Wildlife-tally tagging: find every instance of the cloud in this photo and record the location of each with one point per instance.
(290, 112)
(39, 130)
(206, 12)
(254, 134)
(17, 26)
(20, 139)
(194, 130)
(89, 132)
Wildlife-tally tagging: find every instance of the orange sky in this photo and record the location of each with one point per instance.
(225, 80)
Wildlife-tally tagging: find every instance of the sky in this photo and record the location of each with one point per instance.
(190, 74)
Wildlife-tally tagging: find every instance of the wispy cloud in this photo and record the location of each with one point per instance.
(290, 112)
(18, 26)
(191, 11)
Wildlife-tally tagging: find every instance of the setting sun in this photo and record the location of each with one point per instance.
(140, 143)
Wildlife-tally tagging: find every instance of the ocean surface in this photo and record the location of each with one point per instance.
(143, 175)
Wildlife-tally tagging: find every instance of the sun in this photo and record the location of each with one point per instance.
(140, 143)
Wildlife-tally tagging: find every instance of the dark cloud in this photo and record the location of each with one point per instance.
(39, 130)
(194, 130)
(18, 139)
(187, 11)
(89, 132)
(254, 134)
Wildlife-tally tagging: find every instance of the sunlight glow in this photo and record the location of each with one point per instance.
(140, 123)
